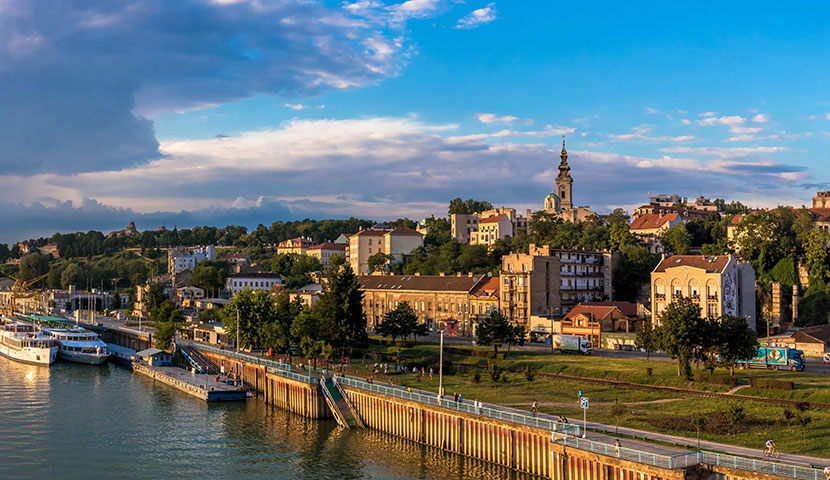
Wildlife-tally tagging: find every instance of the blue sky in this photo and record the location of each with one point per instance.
(215, 112)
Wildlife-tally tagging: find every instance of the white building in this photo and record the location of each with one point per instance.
(180, 259)
(254, 281)
(398, 243)
(324, 252)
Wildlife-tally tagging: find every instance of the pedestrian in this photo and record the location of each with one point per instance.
(409, 389)
(460, 398)
(617, 447)
(430, 373)
(827, 473)
(454, 397)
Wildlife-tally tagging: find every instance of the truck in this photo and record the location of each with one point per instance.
(775, 358)
(571, 344)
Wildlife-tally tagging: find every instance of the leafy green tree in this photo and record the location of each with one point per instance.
(647, 339)
(784, 272)
(618, 216)
(734, 341)
(256, 312)
(166, 312)
(516, 336)
(494, 330)
(633, 271)
(209, 275)
(699, 421)
(399, 322)
(378, 261)
(163, 338)
(402, 222)
(620, 235)
(154, 296)
(817, 256)
(495, 371)
(33, 265)
(676, 240)
(210, 315)
(457, 205)
(617, 411)
(681, 332)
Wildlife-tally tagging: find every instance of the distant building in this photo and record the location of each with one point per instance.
(591, 320)
(237, 262)
(51, 249)
(155, 357)
(129, 231)
(720, 285)
(530, 285)
(813, 341)
(560, 201)
(186, 296)
(253, 281)
(465, 227)
(297, 245)
(684, 213)
(308, 295)
(647, 228)
(325, 251)
(585, 275)
(484, 300)
(435, 299)
(180, 258)
(398, 243)
(821, 200)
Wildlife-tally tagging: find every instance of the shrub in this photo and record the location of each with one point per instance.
(496, 372)
(772, 384)
(734, 412)
(476, 376)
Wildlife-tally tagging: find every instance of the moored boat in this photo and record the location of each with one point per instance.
(79, 345)
(26, 343)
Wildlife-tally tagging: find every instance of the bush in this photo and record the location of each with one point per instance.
(496, 372)
(734, 413)
(772, 384)
(717, 379)
(530, 373)
(476, 376)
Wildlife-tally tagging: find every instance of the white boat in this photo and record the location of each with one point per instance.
(79, 345)
(26, 343)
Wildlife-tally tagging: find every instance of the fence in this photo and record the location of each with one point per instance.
(277, 368)
(761, 466)
(682, 460)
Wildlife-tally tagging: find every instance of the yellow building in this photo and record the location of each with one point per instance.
(720, 285)
(484, 299)
(398, 243)
(298, 245)
(325, 251)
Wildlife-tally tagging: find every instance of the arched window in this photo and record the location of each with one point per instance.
(694, 289)
(676, 288)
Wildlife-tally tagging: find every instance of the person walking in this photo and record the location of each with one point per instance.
(617, 448)
(460, 398)
(430, 373)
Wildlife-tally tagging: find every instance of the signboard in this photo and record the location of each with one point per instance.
(583, 402)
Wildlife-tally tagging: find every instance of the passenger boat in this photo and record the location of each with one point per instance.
(79, 345)
(26, 343)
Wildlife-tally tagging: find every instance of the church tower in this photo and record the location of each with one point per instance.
(564, 182)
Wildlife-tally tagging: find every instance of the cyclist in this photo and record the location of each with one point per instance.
(770, 447)
(827, 473)
(535, 408)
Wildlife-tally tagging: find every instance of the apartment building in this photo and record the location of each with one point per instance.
(585, 276)
(434, 298)
(466, 226)
(325, 251)
(530, 285)
(721, 285)
(254, 281)
(180, 258)
(398, 243)
(297, 245)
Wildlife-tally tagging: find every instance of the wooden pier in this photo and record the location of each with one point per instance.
(200, 386)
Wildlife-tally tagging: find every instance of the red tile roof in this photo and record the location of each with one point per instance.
(710, 264)
(651, 221)
(596, 312)
(329, 246)
(488, 288)
(627, 308)
(493, 219)
(821, 214)
(449, 283)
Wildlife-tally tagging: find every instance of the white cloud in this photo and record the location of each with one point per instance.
(827, 116)
(490, 118)
(685, 121)
(478, 17)
(652, 111)
(707, 114)
(723, 152)
(298, 106)
(737, 124)
(760, 118)
(642, 133)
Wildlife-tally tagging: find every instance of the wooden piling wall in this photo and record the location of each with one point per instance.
(297, 397)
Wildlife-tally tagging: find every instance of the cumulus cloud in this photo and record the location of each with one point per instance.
(478, 17)
(80, 79)
(642, 132)
(737, 125)
(381, 168)
(508, 119)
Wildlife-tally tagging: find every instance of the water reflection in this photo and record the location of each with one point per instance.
(79, 421)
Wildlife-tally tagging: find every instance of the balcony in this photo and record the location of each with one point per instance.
(660, 297)
(712, 298)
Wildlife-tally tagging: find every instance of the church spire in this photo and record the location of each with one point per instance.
(564, 168)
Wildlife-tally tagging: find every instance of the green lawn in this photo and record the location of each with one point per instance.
(646, 409)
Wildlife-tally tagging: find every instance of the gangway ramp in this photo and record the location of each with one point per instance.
(338, 402)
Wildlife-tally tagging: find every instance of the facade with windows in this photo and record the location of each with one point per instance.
(253, 281)
(398, 243)
(586, 276)
(435, 299)
(530, 285)
(720, 285)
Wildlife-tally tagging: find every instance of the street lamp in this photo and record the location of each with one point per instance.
(441, 362)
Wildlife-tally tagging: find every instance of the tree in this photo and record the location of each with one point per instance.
(817, 257)
(681, 329)
(515, 336)
(71, 275)
(457, 205)
(617, 410)
(494, 371)
(619, 235)
(634, 270)
(209, 275)
(530, 374)
(33, 265)
(163, 338)
(154, 295)
(256, 310)
(494, 330)
(734, 341)
(618, 216)
(378, 262)
(400, 322)
(647, 338)
(210, 315)
(340, 309)
(802, 421)
(676, 240)
(699, 421)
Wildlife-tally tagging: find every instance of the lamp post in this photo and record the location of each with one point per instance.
(237, 330)
(441, 363)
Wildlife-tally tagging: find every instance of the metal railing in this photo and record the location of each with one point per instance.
(670, 462)
(570, 433)
(761, 466)
(464, 407)
(277, 368)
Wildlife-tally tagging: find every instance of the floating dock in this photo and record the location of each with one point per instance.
(202, 386)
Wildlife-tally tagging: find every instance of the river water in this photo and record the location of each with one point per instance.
(75, 421)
